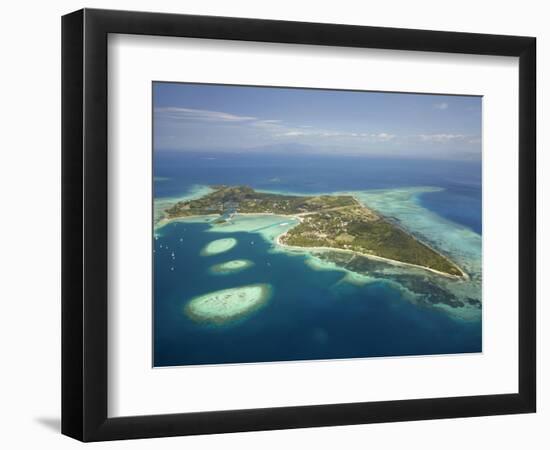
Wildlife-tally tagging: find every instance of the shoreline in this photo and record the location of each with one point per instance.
(278, 242)
(167, 220)
(370, 256)
(464, 276)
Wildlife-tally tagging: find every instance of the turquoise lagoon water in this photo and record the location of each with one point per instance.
(318, 310)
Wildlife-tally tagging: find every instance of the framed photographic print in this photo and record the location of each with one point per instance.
(273, 224)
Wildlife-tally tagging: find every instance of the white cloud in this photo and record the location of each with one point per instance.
(441, 137)
(175, 117)
(294, 133)
(383, 137)
(441, 106)
(370, 137)
(271, 124)
(175, 113)
(377, 137)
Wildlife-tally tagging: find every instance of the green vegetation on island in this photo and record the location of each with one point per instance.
(244, 199)
(360, 230)
(337, 222)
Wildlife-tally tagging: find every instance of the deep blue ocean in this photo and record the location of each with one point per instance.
(311, 314)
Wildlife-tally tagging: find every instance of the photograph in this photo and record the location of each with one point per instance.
(301, 224)
(274, 226)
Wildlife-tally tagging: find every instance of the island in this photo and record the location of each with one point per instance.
(331, 222)
(219, 246)
(227, 305)
(233, 266)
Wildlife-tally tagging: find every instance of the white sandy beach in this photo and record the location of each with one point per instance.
(228, 304)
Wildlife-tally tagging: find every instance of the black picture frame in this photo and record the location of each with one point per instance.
(84, 224)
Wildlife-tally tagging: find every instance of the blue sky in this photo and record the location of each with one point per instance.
(195, 117)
